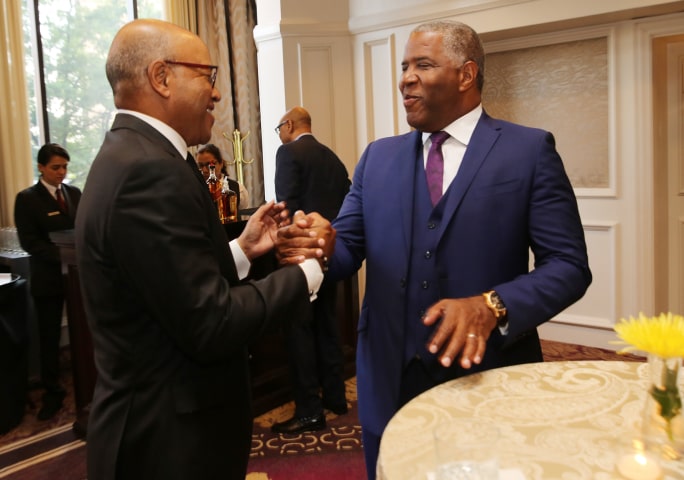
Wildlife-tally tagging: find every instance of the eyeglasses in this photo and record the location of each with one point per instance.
(212, 75)
(277, 129)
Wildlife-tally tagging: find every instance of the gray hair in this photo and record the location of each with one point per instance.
(461, 43)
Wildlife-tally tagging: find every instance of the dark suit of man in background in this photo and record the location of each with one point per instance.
(48, 206)
(429, 263)
(310, 177)
(169, 316)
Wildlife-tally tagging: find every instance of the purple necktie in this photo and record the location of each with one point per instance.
(434, 168)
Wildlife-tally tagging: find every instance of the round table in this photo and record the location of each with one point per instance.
(556, 420)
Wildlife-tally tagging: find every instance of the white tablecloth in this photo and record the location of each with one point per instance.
(557, 420)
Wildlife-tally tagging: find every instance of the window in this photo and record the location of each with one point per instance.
(66, 46)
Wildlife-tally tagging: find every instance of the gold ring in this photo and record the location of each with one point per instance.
(471, 335)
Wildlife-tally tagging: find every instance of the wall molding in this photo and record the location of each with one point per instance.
(413, 14)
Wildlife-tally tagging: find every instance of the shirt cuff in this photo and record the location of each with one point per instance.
(242, 263)
(314, 276)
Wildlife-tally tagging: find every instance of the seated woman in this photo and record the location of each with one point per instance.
(210, 153)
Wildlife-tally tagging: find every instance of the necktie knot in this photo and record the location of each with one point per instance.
(438, 138)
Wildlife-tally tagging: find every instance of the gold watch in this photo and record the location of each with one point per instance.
(496, 305)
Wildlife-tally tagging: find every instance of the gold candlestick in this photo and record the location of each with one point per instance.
(238, 159)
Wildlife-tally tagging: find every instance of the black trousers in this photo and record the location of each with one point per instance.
(316, 358)
(49, 315)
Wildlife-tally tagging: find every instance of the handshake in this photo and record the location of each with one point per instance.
(294, 238)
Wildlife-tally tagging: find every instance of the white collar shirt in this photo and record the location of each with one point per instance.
(453, 149)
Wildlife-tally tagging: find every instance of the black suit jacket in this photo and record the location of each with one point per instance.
(310, 177)
(36, 214)
(169, 318)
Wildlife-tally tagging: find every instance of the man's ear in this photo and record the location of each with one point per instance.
(158, 73)
(468, 75)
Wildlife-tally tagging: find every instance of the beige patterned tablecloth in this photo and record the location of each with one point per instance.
(557, 420)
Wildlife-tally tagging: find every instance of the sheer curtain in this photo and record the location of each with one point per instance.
(182, 12)
(16, 165)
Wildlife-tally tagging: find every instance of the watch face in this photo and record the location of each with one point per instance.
(496, 303)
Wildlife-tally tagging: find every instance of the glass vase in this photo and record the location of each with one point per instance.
(663, 423)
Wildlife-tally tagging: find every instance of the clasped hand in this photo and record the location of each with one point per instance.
(464, 327)
(308, 236)
(259, 235)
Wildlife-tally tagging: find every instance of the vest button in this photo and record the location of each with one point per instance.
(425, 284)
(402, 282)
(432, 225)
(428, 254)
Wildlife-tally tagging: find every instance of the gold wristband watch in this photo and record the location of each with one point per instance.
(496, 305)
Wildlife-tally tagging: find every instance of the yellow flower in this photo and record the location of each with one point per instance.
(662, 335)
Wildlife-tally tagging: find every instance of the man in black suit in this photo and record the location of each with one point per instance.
(47, 206)
(310, 177)
(169, 314)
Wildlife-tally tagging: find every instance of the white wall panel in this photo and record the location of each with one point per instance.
(598, 308)
(380, 86)
(316, 89)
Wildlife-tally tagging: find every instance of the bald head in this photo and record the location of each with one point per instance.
(299, 115)
(295, 122)
(134, 48)
(164, 71)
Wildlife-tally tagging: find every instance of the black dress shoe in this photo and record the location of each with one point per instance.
(299, 425)
(52, 403)
(337, 410)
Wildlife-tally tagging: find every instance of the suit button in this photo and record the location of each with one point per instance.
(432, 225)
(402, 283)
(428, 254)
(425, 284)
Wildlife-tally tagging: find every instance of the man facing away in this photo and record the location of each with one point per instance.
(310, 177)
(169, 315)
(445, 216)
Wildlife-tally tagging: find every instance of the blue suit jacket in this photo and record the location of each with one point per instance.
(511, 194)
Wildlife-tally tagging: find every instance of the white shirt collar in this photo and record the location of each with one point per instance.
(50, 188)
(301, 135)
(168, 132)
(463, 127)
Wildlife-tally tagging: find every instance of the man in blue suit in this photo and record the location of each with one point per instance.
(448, 288)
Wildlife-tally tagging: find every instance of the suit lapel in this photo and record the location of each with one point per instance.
(154, 136)
(481, 143)
(46, 196)
(408, 160)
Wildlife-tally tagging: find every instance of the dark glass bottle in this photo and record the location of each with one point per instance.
(229, 208)
(213, 183)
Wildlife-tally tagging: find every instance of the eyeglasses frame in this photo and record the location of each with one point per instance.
(212, 76)
(277, 128)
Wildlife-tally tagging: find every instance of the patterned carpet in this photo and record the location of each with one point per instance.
(49, 450)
